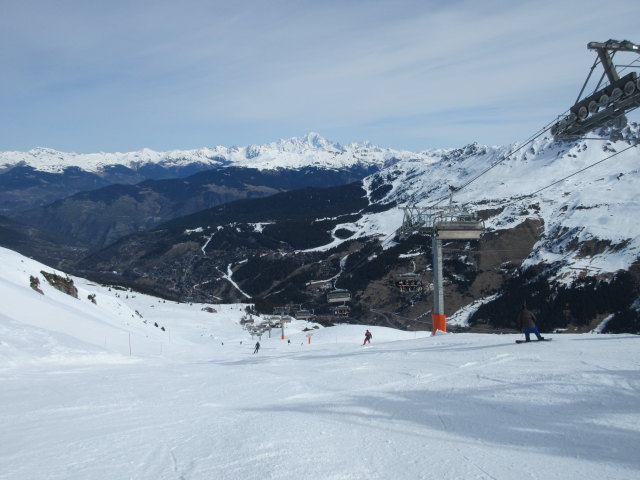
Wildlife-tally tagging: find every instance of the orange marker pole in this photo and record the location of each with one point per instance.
(439, 323)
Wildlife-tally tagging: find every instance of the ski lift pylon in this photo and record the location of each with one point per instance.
(451, 222)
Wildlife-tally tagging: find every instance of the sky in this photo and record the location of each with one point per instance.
(87, 76)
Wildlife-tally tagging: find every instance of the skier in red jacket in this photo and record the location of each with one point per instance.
(367, 337)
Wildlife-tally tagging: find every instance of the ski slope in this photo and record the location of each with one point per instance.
(91, 391)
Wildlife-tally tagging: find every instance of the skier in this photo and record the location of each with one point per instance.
(257, 347)
(527, 322)
(367, 337)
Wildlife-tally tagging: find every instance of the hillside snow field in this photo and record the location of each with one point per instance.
(98, 391)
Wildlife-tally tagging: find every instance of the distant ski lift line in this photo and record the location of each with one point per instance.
(606, 105)
(463, 226)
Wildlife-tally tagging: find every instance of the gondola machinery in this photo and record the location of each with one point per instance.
(606, 104)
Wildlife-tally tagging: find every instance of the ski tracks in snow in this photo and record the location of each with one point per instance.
(160, 462)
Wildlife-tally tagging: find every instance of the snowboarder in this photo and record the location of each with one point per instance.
(367, 337)
(257, 347)
(527, 322)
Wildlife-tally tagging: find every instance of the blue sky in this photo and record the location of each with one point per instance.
(89, 76)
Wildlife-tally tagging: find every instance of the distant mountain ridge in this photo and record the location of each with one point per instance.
(312, 150)
(99, 217)
(41, 176)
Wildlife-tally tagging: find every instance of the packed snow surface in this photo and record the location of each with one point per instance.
(98, 391)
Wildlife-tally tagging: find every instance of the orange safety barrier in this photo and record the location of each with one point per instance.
(439, 323)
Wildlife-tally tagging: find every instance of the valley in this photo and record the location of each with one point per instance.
(305, 237)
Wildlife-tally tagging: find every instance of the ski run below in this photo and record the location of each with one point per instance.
(97, 391)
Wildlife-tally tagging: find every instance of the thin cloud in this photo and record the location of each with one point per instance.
(126, 75)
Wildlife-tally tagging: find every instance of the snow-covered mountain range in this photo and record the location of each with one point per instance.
(562, 212)
(584, 194)
(559, 213)
(41, 176)
(312, 150)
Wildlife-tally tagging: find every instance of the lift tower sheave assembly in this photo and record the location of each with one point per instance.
(606, 104)
(451, 222)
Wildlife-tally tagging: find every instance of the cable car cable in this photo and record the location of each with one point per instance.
(568, 176)
(530, 140)
(493, 165)
(583, 169)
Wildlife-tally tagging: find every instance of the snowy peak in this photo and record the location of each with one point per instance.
(311, 141)
(310, 150)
